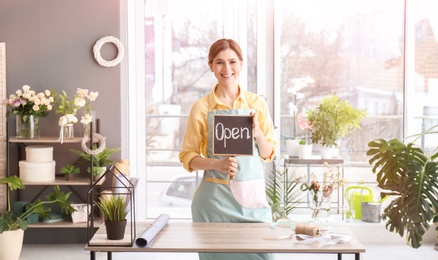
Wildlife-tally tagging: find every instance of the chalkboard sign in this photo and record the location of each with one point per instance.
(232, 135)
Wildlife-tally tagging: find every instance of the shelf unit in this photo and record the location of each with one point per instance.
(59, 180)
(317, 161)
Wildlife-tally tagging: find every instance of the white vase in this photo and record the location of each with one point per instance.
(306, 151)
(293, 148)
(336, 149)
(326, 152)
(11, 243)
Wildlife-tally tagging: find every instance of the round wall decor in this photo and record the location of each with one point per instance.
(98, 46)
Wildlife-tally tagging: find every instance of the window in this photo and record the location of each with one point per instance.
(375, 54)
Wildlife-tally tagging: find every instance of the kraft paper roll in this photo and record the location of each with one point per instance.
(307, 230)
(147, 237)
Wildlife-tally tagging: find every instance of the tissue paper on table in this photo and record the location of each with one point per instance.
(146, 238)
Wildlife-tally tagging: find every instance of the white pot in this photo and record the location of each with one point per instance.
(336, 149)
(11, 243)
(326, 152)
(293, 148)
(306, 151)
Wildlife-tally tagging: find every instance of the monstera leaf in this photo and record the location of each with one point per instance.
(412, 178)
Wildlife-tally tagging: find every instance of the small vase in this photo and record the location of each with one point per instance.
(69, 132)
(320, 205)
(87, 130)
(293, 148)
(306, 151)
(69, 177)
(27, 127)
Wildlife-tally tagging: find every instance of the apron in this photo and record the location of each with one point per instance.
(219, 199)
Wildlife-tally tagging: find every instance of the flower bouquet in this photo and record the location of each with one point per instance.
(28, 106)
(320, 190)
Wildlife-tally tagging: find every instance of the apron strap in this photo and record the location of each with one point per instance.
(218, 181)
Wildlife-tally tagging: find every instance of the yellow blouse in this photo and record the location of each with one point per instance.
(196, 136)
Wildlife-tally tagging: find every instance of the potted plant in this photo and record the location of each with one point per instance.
(283, 192)
(332, 120)
(100, 161)
(69, 170)
(13, 224)
(114, 213)
(411, 177)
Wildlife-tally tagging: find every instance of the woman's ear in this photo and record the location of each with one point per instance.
(210, 65)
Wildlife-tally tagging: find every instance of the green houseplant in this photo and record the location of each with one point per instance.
(69, 170)
(13, 224)
(114, 212)
(332, 119)
(411, 177)
(284, 193)
(100, 160)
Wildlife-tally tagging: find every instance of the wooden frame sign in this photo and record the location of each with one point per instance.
(233, 135)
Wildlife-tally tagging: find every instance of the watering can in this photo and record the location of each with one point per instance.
(356, 195)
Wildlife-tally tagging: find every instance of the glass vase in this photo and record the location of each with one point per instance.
(68, 132)
(26, 127)
(320, 205)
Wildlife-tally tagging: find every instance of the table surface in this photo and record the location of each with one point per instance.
(223, 237)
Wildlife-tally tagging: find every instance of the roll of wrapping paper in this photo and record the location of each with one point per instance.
(307, 230)
(147, 237)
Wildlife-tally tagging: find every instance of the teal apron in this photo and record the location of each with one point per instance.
(219, 199)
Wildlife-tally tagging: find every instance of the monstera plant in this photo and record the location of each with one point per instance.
(410, 176)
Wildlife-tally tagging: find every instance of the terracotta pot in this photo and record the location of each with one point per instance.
(115, 230)
(69, 177)
(11, 243)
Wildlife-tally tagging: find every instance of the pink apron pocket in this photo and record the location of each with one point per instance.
(250, 194)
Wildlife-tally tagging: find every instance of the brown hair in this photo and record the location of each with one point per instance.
(221, 45)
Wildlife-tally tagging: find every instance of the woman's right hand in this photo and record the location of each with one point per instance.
(228, 166)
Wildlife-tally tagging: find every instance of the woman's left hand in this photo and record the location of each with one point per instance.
(255, 125)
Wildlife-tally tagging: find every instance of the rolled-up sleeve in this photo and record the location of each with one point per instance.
(194, 139)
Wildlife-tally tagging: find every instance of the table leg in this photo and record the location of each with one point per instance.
(92, 255)
(109, 256)
(357, 256)
(339, 256)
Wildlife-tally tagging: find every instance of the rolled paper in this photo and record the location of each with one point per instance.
(307, 230)
(147, 237)
(125, 162)
(122, 168)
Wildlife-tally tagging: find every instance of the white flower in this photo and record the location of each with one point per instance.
(80, 102)
(82, 92)
(62, 121)
(71, 118)
(86, 119)
(47, 92)
(26, 88)
(36, 107)
(93, 96)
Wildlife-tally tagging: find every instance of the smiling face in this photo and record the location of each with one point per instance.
(226, 67)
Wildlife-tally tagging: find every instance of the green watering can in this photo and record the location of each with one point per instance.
(355, 195)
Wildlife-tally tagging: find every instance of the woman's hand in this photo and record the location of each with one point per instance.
(255, 125)
(228, 166)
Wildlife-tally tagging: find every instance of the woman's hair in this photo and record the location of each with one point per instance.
(221, 45)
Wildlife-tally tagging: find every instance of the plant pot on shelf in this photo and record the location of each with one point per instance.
(115, 230)
(326, 152)
(293, 148)
(306, 151)
(97, 173)
(69, 177)
(11, 243)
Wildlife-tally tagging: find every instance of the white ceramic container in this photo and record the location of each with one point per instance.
(37, 172)
(39, 154)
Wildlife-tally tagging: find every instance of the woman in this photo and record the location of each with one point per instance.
(222, 195)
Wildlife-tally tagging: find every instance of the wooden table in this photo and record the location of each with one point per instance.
(187, 237)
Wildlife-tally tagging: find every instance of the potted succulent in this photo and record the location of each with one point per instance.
(411, 177)
(13, 224)
(114, 213)
(100, 161)
(69, 170)
(332, 120)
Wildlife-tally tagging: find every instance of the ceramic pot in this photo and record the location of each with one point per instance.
(326, 152)
(305, 151)
(11, 243)
(293, 148)
(115, 230)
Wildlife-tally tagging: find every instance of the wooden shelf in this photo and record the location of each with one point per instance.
(65, 224)
(61, 181)
(44, 139)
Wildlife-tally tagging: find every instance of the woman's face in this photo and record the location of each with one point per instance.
(226, 67)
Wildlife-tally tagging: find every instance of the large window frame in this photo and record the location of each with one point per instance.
(267, 76)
